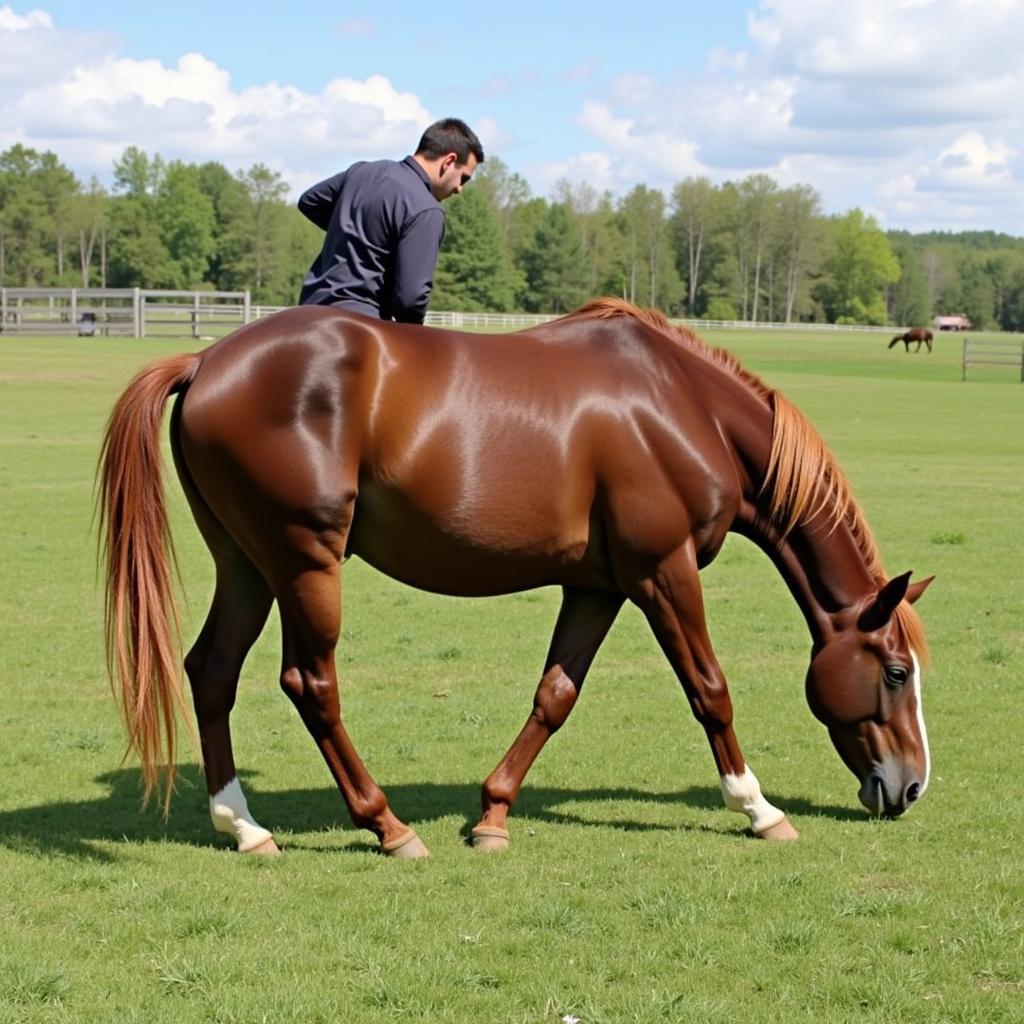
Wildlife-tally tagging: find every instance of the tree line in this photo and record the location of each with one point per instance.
(746, 250)
(162, 225)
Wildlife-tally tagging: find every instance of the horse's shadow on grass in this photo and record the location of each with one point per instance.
(74, 828)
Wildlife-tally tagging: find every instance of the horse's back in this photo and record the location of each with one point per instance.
(482, 463)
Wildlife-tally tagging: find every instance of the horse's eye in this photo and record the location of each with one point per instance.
(895, 675)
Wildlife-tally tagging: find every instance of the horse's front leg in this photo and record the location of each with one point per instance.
(670, 597)
(583, 622)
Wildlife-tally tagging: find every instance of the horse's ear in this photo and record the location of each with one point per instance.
(879, 611)
(915, 590)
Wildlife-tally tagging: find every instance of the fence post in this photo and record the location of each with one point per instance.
(138, 313)
(246, 307)
(74, 307)
(3, 308)
(195, 314)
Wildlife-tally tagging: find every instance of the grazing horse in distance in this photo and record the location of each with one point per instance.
(918, 334)
(607, 453)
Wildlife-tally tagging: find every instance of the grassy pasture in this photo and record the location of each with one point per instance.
(629, 894)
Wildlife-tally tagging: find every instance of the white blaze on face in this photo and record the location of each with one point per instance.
(920, 723)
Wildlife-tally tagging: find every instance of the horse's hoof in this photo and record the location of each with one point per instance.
(781, 831)
(407, 846)
(490, 838)
(268, 848)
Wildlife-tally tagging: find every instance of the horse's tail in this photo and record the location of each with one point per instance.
(140, 610)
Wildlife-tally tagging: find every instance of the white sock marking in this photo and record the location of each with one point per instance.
(742, 793)
(230, 815)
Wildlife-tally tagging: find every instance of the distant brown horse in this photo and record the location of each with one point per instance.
(918, 334)
(607, 453)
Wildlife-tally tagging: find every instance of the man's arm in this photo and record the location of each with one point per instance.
(317, 202)
(414, 266)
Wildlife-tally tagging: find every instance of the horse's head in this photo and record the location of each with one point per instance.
(864, 685)
(896, 340)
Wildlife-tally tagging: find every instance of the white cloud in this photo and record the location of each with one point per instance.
(892, 105)
(888, 40)
(593, 168)
(972, 164)
(11, 22)
(971, 178)
(74, 94)
(638, 148)
(911, 109)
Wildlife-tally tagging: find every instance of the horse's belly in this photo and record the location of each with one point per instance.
(473, 551)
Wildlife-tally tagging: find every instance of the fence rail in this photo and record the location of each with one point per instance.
(84, 311)
(149, 312)
(129, 312)
(993, 353)
(170, 313)
(511, 321)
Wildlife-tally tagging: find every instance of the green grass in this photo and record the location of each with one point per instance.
(629, 894)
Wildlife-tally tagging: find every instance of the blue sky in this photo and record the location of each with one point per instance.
(911, 109)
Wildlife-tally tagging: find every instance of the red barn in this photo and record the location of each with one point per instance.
(959, 322)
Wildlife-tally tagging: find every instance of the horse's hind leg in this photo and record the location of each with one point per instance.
(239, 610)
(583, 622)
(670, 597)
(241, 603)
(310, 602)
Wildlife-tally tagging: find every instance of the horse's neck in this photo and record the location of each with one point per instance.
(824, 568)
(823, 564)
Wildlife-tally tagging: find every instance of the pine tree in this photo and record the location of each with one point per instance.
(474, 272)
(554, 263)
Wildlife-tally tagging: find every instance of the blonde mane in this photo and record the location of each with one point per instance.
(802, 479)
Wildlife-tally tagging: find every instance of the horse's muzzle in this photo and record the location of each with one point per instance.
(887, 793)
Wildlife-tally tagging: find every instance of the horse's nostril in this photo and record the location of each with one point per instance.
(913, 792)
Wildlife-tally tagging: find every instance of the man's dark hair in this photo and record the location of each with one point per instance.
(450, 135)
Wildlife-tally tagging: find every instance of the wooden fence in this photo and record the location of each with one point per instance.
(993, 353)
(128, 312)
(198, 314)
(204, 315)
(515, 321)
(83, 311)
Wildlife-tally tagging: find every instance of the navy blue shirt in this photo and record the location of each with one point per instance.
(384, 229)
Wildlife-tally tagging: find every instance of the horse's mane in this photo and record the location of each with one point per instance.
(802, 479)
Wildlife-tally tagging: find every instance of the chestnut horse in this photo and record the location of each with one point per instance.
(606, 452)
(917, 334)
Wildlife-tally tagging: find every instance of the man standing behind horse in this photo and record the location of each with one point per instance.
(384, 226)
